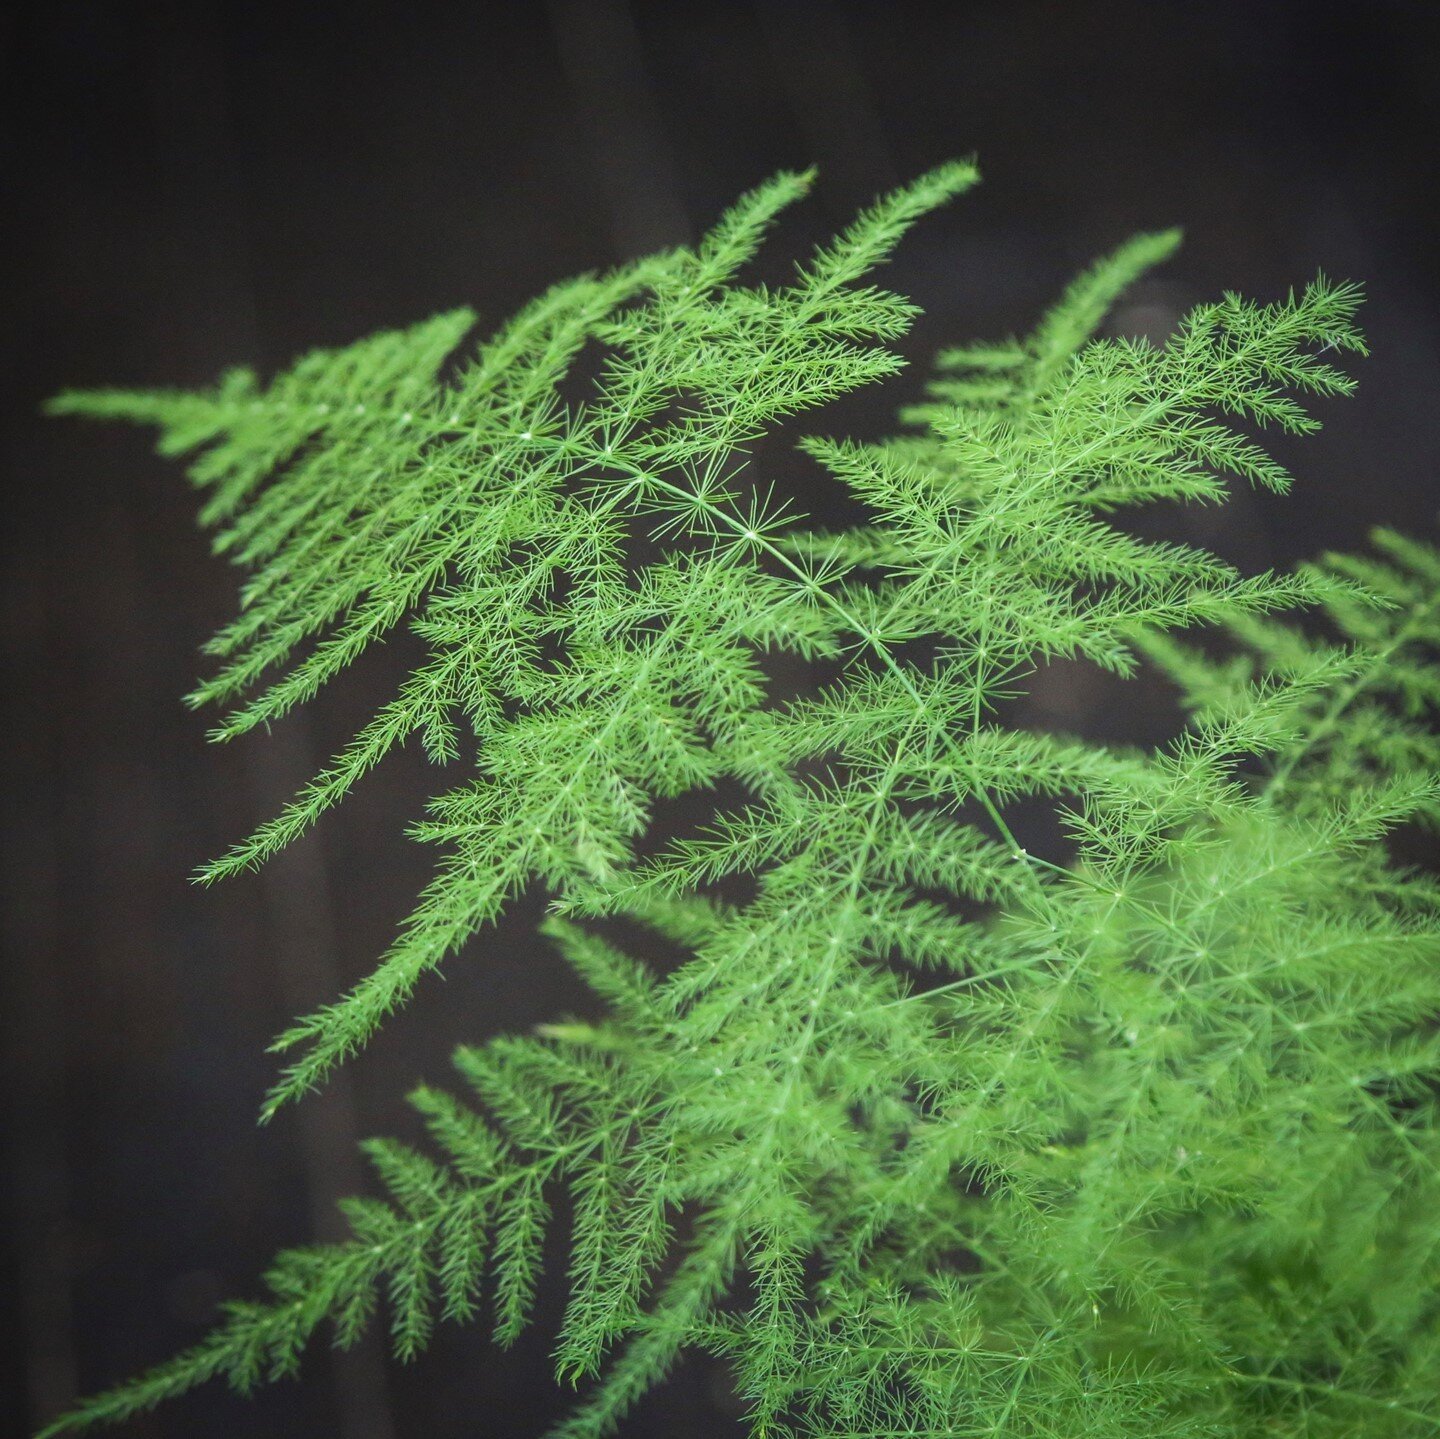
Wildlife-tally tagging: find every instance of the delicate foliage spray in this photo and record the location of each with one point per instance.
(923, 1134)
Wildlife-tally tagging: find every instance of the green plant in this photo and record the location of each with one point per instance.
(924, 1134)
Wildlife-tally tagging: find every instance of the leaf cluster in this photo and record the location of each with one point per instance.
(922, 1134)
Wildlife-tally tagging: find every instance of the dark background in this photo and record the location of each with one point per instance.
(195, 185)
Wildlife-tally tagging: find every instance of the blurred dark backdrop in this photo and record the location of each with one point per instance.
(193, 185)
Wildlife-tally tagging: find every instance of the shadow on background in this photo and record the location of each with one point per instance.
(195, 185)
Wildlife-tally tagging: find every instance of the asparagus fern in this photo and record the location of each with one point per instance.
(921, 1133)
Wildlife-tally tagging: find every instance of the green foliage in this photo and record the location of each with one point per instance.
(923, 1135)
